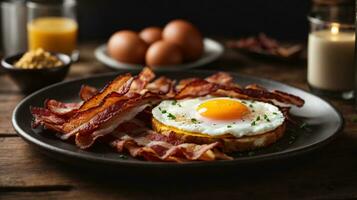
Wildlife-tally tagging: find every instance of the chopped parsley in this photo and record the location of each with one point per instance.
(253, 123)
(193, 120)
(251, 105)
(171, 116)
(229, 126)
(266, 118)
(274, 113)
(162, 111)
(174, 103)
(258, 118)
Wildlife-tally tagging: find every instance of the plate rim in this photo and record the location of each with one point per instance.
(134, 163)
(109, 62)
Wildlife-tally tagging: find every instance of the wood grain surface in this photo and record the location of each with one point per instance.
(329, 173)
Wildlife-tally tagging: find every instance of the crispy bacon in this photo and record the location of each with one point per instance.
(108, 120)
(156, 147)
(183, 82)
(221, 78)
(162, 85)
(255, 87)
(120, 85)
(200, 87)
(46, 118)
(60, 108)
(140, 82)
(291, 99)
(87, 92)
(196, 88)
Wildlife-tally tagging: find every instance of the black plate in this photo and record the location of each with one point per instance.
(324, 122)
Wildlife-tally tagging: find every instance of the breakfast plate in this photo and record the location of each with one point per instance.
(320, 124)
(212, 51)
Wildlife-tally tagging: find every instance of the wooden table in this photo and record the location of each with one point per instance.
(330, 173)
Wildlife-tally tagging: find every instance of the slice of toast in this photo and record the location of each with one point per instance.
(228, 141)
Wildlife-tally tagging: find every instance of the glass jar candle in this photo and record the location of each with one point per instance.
(331, 58)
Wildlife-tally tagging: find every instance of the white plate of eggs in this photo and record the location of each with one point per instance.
(178, 46)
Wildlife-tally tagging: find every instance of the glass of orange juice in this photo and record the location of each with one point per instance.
(52, 26)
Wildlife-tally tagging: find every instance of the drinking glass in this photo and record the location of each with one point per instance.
(52, 26)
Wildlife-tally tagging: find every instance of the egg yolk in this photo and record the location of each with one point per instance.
(222, 109)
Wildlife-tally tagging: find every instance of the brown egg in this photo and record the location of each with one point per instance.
(127, 46)
(151, 34)
(186, 36)
(163, 53)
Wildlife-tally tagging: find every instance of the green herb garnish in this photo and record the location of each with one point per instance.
(258, 118)
(229, 126)
(162, 111)
(253, 123)
(266, 118)
(171, 116)
(193, 120)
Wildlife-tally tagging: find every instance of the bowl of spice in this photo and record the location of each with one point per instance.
(36, 69)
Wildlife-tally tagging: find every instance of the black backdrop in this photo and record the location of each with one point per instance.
(284, 19)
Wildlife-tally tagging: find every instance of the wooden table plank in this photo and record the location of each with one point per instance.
(326, 172)
(8, 102)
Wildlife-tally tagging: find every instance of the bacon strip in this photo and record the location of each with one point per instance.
(82, 117)
(140, 82)
(60, 108)
(106, 121)
(221, 78)
(156, 147)
(46, 118)
(162, 85)
(201, 87)
(87, 92)
(197, 88)
(120, 85)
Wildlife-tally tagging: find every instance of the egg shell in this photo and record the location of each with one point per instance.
(127, 46)
(186, 36)
(163, 53)
(151, 34)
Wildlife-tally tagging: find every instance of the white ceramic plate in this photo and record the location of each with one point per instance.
(212, 51)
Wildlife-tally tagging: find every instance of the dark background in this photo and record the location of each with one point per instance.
(283, 19)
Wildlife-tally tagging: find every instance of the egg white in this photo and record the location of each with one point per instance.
(182, 114)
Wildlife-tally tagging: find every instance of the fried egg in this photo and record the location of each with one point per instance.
(217, 116)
